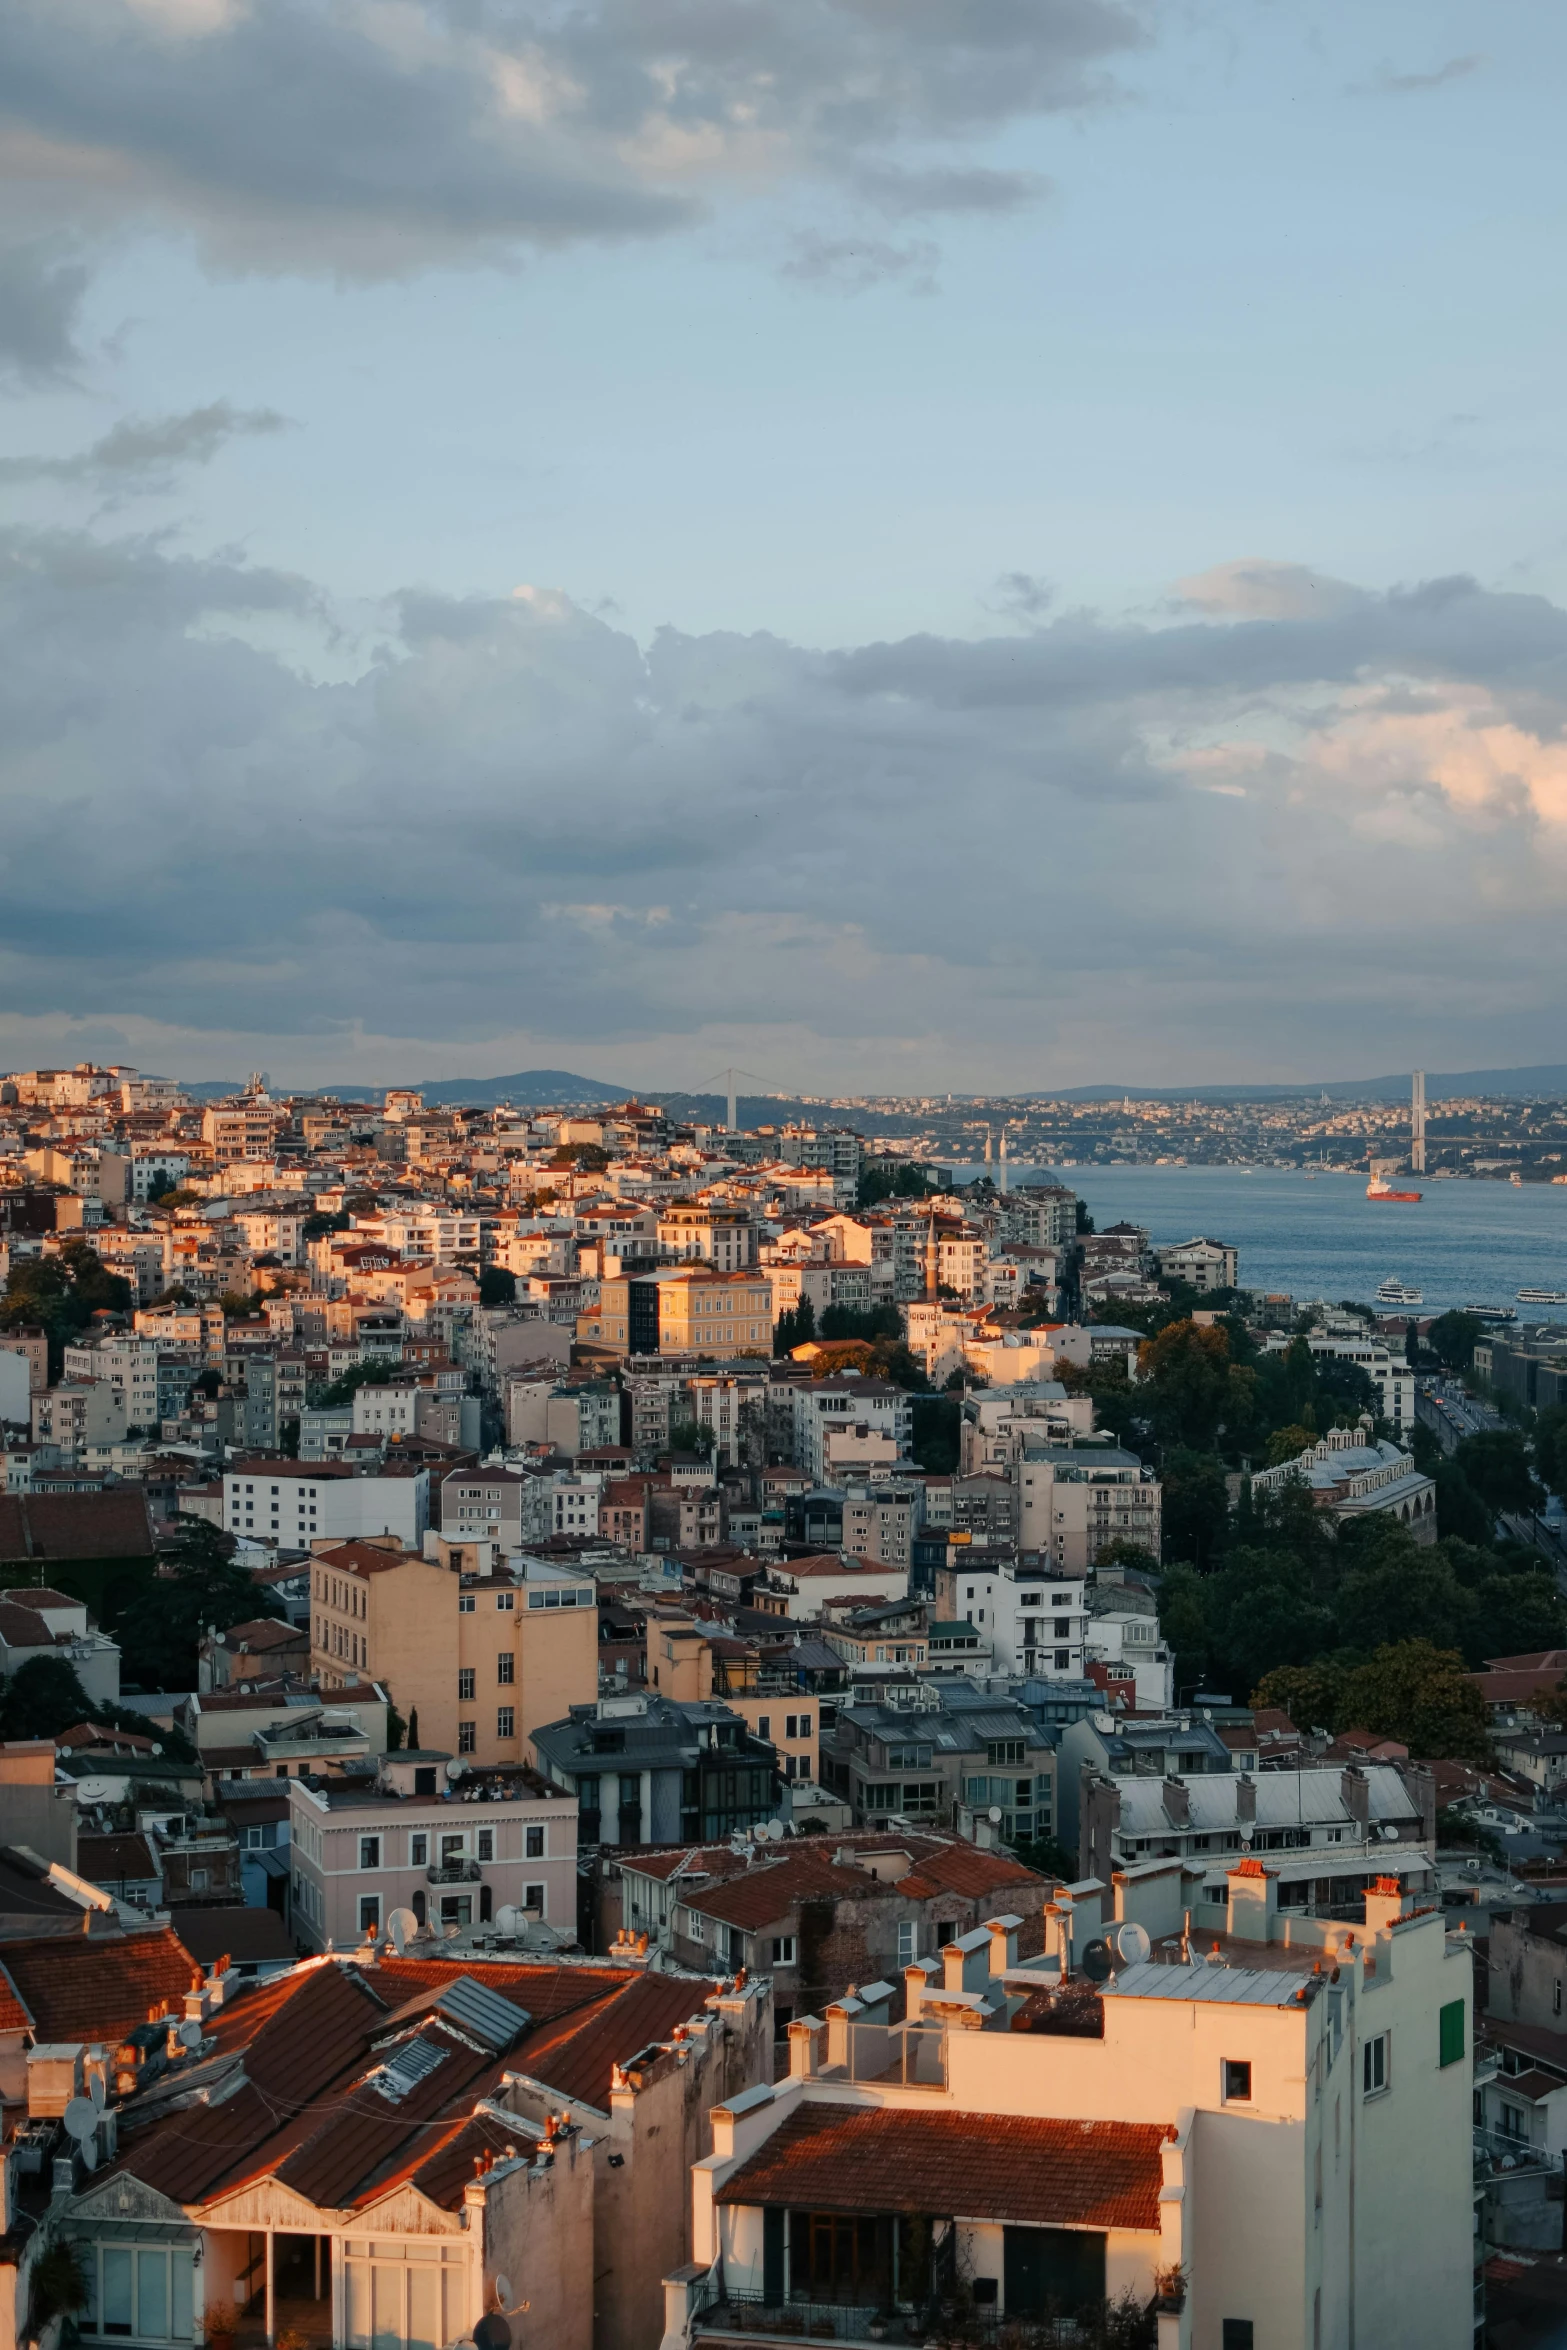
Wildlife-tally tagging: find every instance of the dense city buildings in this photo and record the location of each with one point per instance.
(476, 1575)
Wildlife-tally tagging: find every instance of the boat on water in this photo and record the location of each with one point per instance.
(1394, 1292)
(1493, 1313)
(1378, 1188)
(1542, 1297)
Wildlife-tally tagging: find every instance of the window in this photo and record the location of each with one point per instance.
(418, 1851)
(1005, 1750)
(908, 1936)
(486, 1844)
(369, 1913)
(506, 1669)
(505, 1600)
(464, 1683)
(369, 1852)
(1375, 2071)
(764, 1725)
(146, 2291)
(465, 1603)
(467, 1737)
(1237, 2082)
(1236, 2333)
(533, 1898)
(1450, 2033)
(505, 1721)
(533, 1844)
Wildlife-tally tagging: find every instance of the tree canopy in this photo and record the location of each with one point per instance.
(199, 1585)
(60, 1294)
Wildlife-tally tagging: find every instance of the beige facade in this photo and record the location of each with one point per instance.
(482, 1659)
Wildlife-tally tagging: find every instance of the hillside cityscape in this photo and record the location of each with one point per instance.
(533, 1631)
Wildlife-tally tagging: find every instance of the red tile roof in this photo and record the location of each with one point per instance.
(110, 1524)
(768, 1891)
(576, 2057)
(963, 1868)
(98, 1986)
(978, 2166)
(112, 1859)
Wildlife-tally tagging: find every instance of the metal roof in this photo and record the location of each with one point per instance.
(475, 2008)
(1223, 1986)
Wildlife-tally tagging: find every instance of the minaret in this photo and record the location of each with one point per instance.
(1417, 1122)
(1003, 1162)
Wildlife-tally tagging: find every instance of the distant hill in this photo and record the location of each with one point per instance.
(528, 1089)
(1548, 1077)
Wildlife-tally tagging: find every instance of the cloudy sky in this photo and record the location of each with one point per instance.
(898, 543)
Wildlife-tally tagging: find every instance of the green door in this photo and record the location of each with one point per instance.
(1052, 2271)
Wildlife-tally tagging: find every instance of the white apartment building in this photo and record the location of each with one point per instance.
(1388, 1373)
(131, 1367)
(997, 1423)
(422, 1231)
(1130, 1642)
(1268, 2142)
(292, 1504)
(841, 1403)
(1041, 1215)
(1075, 1499)
(80, 1415)
(1034, 1622)
(276, 1232)
(1202, 1264)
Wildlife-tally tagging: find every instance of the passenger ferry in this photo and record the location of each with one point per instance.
(1394, 1292)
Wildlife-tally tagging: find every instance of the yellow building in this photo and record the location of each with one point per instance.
(685, 1664)
(684, 1310)
(483, 1658)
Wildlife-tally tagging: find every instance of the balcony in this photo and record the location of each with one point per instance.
(452, 1872)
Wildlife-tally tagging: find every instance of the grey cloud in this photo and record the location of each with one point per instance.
(1387, 83)
(947, 189)
(323, 135)
(40, 295)
(147, 453)
(1023, 597)
(853, 265)
(1083, 828)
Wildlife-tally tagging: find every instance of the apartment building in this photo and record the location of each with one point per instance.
(1268, 2147)
(453, 1848)
(480, 1659)
(1391, 1375)
(295, 1504)
(1076, 1499)
(79, 1416)
(1202, 1264)
(1033, 1620)
(723, 1237)
(957, 1749)
(683, 1310)
(244, 1129)
(996, 1424)
(820, 1405)
(645, 1770)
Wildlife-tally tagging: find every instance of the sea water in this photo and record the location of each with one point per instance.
(1467, 1242)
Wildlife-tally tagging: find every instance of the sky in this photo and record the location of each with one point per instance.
(897, 545)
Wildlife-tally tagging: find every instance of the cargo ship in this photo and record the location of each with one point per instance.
(1377, 1188)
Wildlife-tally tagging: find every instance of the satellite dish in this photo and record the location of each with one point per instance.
(759, 1832)
(402, 1925)
(1132, 1944)
(1098, 1960)
(492, 2333)
(81, 2119)
(994, 1815)
(454, 1770)
(503, 2290)
(189, 2033)
(1391, 1834)
(775, 1831)
(508, 1920)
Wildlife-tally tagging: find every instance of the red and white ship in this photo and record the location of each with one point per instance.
(1380, 1188)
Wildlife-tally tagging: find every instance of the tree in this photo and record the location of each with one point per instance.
(794, 1327)
(1550, 1446)
(497, 1286)
(158, 1182)
(1452, 1338)
(1185, 1378)
(357, 1375)
(1496, 1464)
(1459, 1510)
(1196, 1514)
(1415, 1692)
(884, 1177)
(42, 1698)
(1287, 1444)
(691, 1436)
(60, 1294)
(1312, 1695)
(198, 1585)
(937, 1420)
(875, 1322)
(1393, 1584)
